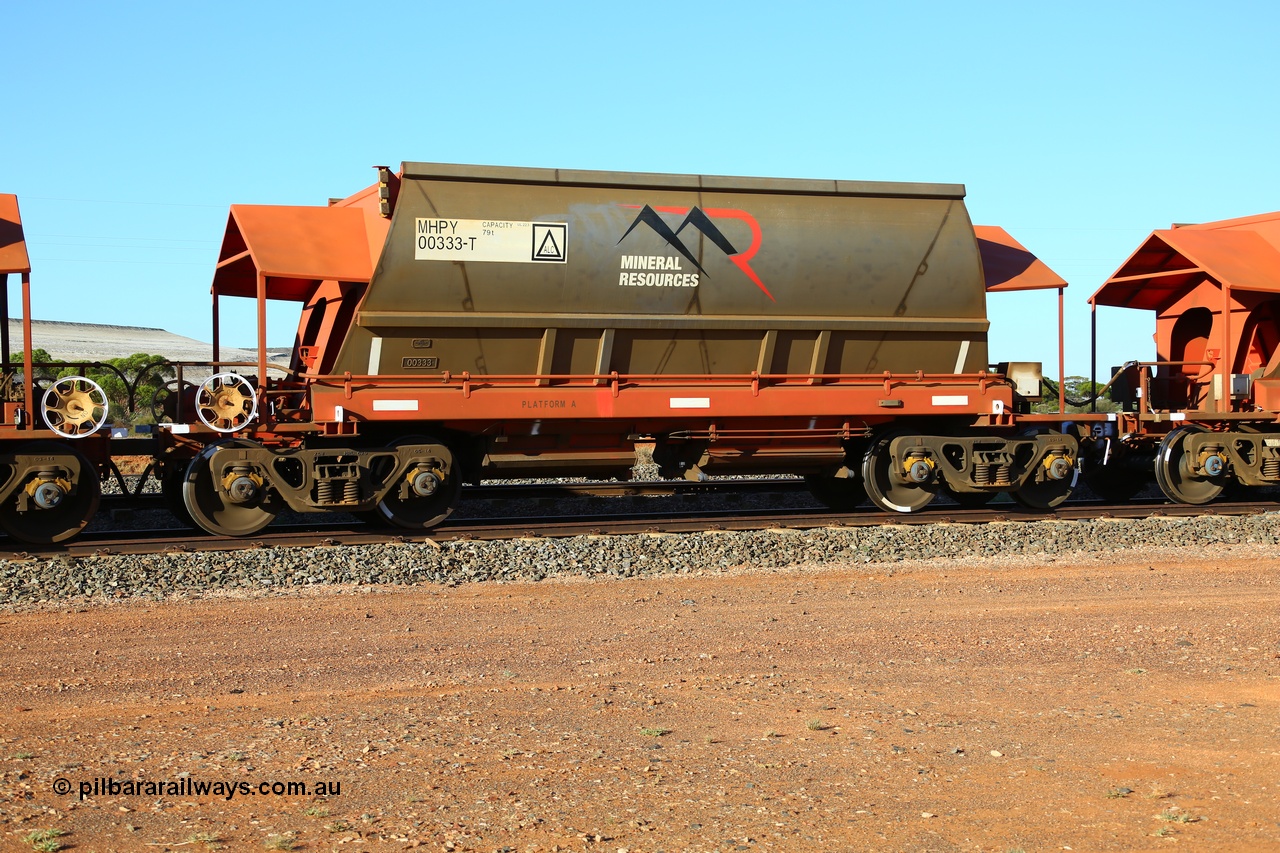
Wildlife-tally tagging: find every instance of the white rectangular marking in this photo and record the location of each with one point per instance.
(962, 357)
(690, 402)
(177, 429)
(944, 400)
(395, 405)
(496, 240)
(375, 356)
(1178, 416)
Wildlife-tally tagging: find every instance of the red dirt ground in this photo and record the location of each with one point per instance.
(1007, 705)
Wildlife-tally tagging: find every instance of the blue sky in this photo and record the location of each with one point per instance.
(1078, 127)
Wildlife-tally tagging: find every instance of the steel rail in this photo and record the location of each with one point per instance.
(537, 491)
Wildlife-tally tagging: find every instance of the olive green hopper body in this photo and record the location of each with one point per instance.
(521, 272)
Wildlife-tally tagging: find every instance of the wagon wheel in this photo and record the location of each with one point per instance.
(842, 494)
(171, 487)
(58, 507)
(1049, 492)
(164, 403)
(1046, 494)
(423, 496)
(74, 407)
(226, 402)
(244, 505)
(885, 489)
(1174, 474)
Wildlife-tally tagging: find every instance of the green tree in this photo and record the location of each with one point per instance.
(147, 374)
(1079, 389)
(41, 365)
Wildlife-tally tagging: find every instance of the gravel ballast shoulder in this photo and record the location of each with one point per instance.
(276, 569)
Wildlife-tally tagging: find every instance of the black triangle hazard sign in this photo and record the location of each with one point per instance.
(549, 248)
(549, 241)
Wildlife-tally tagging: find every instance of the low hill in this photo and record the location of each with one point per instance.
(91, 342)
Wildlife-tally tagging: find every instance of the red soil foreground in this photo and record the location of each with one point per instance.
(1007, 705)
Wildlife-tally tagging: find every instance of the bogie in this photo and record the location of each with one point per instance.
(237, 487)
(904, 471)
(50, 492)
(1195, 465)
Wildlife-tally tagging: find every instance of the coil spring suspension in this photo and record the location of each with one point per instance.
(991, 475)
(327, 492)
(1271, 469)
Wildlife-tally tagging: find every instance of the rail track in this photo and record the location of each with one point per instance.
(136, 499)
(601, 521)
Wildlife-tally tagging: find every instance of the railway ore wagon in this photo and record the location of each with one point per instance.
(461, 323)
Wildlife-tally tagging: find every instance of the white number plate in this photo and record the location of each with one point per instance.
(494, 240)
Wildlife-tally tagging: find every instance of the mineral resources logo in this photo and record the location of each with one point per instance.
(700, 220)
